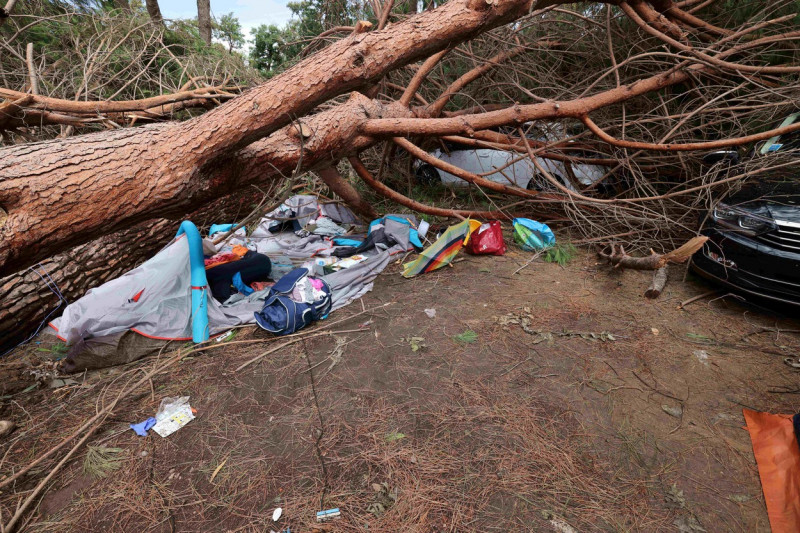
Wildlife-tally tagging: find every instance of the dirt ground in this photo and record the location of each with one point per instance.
(576, 405)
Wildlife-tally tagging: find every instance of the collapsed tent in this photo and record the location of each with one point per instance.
(169, 297)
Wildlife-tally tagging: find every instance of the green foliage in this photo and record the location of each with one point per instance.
(229, 30)
(467, 337)
(561, 253)
(271, 48)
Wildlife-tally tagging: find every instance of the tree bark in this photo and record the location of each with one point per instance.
(61, 193)
(154, 11)
(659, 281)
(204, 19)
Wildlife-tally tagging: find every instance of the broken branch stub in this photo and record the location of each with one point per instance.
(620, 259)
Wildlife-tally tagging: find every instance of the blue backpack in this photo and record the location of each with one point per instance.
(281, 315)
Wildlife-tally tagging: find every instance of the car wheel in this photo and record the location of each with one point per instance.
(538, 183)
(428, 176)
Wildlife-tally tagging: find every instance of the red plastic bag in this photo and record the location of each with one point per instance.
(487, 239)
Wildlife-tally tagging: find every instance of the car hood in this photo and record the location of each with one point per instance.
(778, 198)
(784, 211)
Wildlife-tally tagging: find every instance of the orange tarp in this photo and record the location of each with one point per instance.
(778, 457)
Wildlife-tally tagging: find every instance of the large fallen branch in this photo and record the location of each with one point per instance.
(619, 259)
(111, 180)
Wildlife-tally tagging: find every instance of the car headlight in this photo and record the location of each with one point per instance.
(723, 212)
(738, 218)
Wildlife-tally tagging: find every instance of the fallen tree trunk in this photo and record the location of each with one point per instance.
(112, 180)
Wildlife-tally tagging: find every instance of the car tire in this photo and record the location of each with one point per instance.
(538, 183)
(428, 176)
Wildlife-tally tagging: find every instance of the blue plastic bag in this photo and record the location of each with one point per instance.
(532, 235)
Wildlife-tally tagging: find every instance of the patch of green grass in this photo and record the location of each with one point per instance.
(467, 337)
(561, 253)
(58, 348)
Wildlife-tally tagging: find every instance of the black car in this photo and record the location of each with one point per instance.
(754, 234)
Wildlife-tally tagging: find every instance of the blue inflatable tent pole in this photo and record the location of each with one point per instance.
(199, 283)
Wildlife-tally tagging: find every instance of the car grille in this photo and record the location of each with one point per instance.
(783, 237)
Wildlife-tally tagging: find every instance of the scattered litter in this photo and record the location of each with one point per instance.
(330, 514)
(468, 337)
(228, 335)
(655, 331)
(778, 459)
(430, 312)
(143, 453)
(673, 411)
(701, 356)
(487, 240)
(142, 427)
(276, 514)
(531, 235)
(172, 415)
(441, 252)
(740, 498)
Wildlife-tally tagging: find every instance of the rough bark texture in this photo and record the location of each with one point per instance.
(337, 184)
(154, 11)
(27, 300)
(659, 281)
(112, 180)
(204, 19)
(654, 261)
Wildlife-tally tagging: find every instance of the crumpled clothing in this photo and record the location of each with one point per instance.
(240, 285)
(326, 227)
(316, 283)
(142, 427)
(304, 292)
(236, 253)
(261, 285)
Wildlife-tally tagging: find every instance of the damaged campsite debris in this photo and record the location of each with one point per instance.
(328, 515)
(172, 414)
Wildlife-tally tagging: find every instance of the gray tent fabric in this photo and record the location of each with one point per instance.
(354, 282)
(142, 310)
(153, 300)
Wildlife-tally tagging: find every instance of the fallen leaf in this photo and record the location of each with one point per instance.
(216, 470)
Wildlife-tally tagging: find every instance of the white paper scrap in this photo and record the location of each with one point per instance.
(172, 421)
